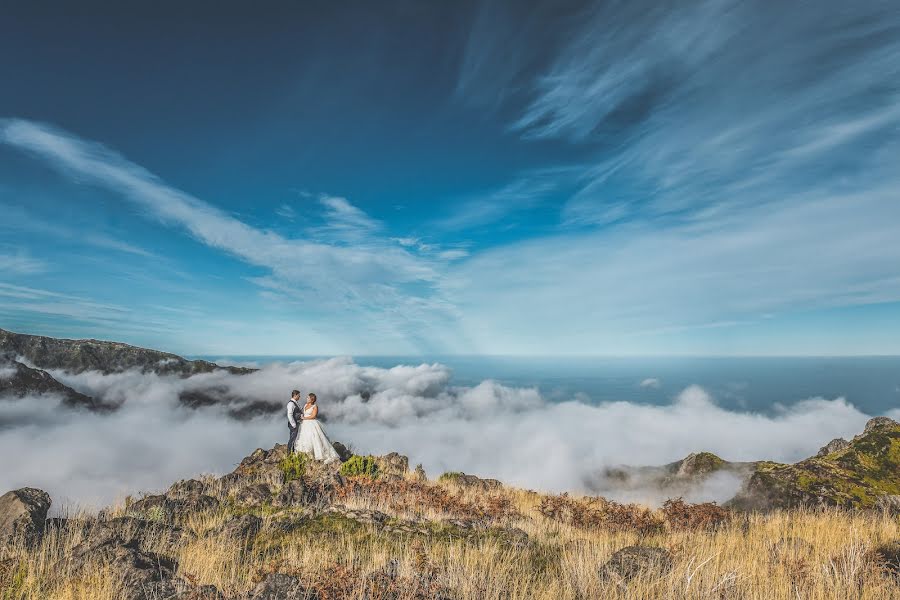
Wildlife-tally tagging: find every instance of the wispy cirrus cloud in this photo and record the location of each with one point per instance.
(333, 272)
(21, 263)
(719, 103)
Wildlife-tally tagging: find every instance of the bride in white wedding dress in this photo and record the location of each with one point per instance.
(312, 439)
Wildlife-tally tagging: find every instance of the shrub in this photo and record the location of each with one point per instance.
(681, 515)
(360, 466)
(599, 513)
(293, 466)
(450, 476)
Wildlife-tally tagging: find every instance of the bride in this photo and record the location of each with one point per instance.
(312, 439)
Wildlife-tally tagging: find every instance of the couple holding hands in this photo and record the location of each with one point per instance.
(307, 434)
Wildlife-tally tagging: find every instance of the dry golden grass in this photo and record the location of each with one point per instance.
(757, 557)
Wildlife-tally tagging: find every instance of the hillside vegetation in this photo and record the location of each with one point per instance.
(284, 528)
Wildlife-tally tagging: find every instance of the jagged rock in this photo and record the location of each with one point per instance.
(420, 473)
(23, 513)
(154, 508)
(637, 561)
(292, 493)
(342, 450)
(77, 356)
(833, 446)
(144, 575)
(880, 424)
(392, 465)
(254, 494)
(471, 481)
(241, 528)
(279, 586)
(186, 488)
(261, 466)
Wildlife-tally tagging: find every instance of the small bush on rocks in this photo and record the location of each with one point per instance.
(360, 466)
(293, 466)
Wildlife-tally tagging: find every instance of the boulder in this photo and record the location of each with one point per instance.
(186, 488)
(369, 517)
(144, 575)
(254, 494)
(292, 493)
(154, 508)
(241, 528)
(636, 561)
(23, 514)
(392, 464)
(279, 586)
(833, 446)
(420, 473)
(342, 451)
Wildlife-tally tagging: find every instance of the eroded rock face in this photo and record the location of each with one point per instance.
(880, 424)
(834, 445)
(23, 514)
(637, 561)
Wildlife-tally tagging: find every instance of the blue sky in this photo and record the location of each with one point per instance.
(558, 178)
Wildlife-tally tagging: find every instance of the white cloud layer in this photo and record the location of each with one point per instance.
(489, 429)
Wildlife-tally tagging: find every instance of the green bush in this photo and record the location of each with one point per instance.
(360, 466)
(450, 476)
(293, 466)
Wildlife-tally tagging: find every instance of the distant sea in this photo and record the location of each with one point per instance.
(754, 384)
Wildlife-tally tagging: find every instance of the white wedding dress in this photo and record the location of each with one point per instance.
(313, 441)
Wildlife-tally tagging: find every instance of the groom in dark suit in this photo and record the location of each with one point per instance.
(294, 412)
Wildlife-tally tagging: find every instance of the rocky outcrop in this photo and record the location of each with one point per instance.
(77, 356)
(860, 475)
(23, 514)
(835, 445)
(471, 481)
(144, 575)
(18, 381)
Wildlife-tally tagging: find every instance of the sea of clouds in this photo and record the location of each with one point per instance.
(511, 433)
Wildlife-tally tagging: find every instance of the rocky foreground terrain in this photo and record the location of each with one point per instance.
(282, 527)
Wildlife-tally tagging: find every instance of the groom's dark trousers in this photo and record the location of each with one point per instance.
(292, 438)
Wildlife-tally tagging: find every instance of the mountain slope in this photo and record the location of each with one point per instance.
(863, 474)
(77, 356)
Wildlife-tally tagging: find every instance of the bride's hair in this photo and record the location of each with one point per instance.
(312, 397)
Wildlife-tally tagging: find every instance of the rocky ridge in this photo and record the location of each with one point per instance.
(78, 356)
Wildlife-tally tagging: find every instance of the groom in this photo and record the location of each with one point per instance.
(293, 421)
